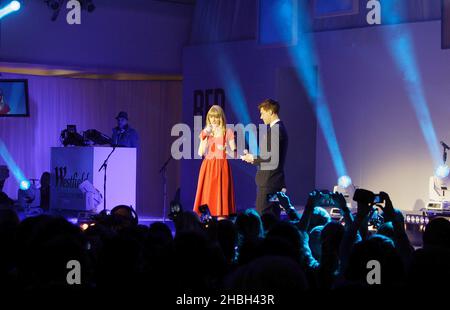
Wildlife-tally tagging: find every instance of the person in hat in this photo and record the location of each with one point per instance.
(123, 135)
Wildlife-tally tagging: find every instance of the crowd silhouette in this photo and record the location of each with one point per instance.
(301, 253)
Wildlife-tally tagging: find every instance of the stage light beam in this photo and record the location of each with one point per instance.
(236, 94)
(303, 55)
(13, 6)
(12, 166)
(401, 46)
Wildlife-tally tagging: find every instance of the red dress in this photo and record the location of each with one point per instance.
(215, 181)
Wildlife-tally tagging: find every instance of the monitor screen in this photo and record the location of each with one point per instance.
(14, 98)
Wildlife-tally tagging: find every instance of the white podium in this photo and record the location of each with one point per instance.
(71, 166)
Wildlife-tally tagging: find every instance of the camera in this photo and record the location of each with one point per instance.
(377, 199)
(326, 198)
(205, 214)
(272, 198)
(366, 196)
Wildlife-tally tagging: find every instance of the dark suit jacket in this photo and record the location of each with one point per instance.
(128, 138)
(273, 178)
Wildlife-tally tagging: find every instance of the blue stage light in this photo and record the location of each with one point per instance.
(401, 47)
(344, 181)
(305, 59)
(24, 185)
(13, 6)
(236, 94)
(12, 166)
(442, 171)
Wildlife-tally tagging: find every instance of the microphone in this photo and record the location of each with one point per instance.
(206, 132)
(208, 129)
(445, 145)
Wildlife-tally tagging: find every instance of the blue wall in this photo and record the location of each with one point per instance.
(145, 36)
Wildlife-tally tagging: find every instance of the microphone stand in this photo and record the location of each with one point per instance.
(104, 166)
(163, 170)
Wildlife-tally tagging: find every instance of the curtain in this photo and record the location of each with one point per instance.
(153, 108)
(224, 20)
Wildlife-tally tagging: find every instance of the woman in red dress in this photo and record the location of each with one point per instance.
(215, 181)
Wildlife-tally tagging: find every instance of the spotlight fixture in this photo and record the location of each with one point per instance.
(24, 185)
(442, 171)
(13, 6)
(344, 181)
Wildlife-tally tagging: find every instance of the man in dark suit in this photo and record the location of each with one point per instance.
(270, 175)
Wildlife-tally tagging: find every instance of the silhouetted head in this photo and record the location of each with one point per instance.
(437, 233)
(377, 249)
(331, 236)
(45, 245)
(387, 229)
(269, 274)
(430, 266)
(188, 221)
(160, 232)
(249, 225)
(287, 232)
(45, 179)
(314, 242)
(124, 216)
(269, 220)
(122, 119)
(319, 217)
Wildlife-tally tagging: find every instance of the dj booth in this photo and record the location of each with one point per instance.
(73, 165)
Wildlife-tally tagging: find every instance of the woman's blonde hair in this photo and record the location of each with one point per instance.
(217, 111)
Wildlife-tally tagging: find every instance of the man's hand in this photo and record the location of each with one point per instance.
(340, 201)
(364, 209)
(313, 199)
(247, 157)
(284, 200)
(389, 212)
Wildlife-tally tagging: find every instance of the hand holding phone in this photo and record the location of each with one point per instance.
(388, 209)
